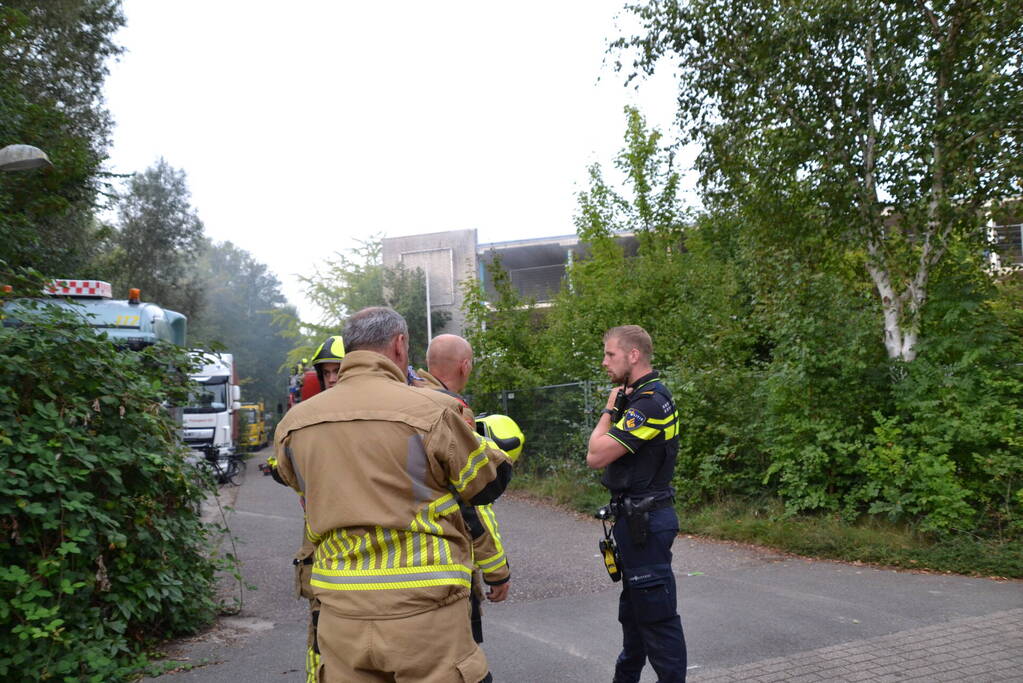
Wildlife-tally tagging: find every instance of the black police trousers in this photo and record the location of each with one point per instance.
(648, 606)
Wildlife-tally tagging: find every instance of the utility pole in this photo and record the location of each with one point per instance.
(429, 322)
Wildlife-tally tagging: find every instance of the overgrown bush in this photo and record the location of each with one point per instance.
(101, 549)
(957, 411)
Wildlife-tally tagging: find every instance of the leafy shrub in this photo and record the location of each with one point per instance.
(901, 480)
(958, 412)
(101, 548)
(720, 444)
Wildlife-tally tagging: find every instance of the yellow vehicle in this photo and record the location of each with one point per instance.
(253, 433)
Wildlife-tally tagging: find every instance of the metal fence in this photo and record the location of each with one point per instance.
(556, 420)
(1007, 244)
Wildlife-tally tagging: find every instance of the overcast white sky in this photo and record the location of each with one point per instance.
(305, 126)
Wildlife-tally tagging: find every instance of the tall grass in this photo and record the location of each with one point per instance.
(763, 522)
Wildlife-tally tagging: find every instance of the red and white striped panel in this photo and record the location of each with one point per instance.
(81, 288)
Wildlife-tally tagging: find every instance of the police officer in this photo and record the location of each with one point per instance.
(636, 442)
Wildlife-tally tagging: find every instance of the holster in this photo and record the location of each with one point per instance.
(303, 574)
(636, 512)
(476, 606)
(476, 618)
(637, 516)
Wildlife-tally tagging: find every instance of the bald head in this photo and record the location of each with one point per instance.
(449, 359)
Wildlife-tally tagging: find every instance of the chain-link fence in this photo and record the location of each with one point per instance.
(556, 420)
(1007, 245)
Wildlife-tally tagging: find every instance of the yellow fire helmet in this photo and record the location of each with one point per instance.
(503, 431)
(332, 350)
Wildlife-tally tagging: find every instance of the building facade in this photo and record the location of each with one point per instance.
(449, 259)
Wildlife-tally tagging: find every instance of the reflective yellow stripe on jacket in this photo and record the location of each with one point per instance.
(489, 565)
(384, 559)
(311, 535)
(474, 463)
(652, 427)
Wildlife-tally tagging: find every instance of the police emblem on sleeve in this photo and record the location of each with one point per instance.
(633, 419)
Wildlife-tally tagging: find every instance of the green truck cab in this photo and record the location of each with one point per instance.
(129, 323)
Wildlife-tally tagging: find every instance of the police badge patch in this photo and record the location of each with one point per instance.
(633, 419)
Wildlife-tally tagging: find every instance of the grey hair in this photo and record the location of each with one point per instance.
(373, 328)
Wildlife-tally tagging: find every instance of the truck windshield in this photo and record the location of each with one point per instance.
(208, 398)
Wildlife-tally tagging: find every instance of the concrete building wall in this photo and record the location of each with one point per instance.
(537, 266)
(448, 258)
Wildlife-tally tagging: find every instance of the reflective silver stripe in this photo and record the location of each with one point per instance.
(405, 577)
(333, 545)
(473, 464)
(445, 551)
(426, 523)
(383, 549)
(406, 544)
(493, 562)
(486, 513)
(389, 542)
(294, 468)
(371, 550)
(418, 524)
(447, 506)
(416, 466)
(343, 552)
(362, 547)
(325, 550)
(348, 551)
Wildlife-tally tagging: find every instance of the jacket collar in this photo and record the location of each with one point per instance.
(360, 363)
(432, 379)
(645, 379)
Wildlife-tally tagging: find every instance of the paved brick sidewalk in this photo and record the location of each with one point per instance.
(987, 648)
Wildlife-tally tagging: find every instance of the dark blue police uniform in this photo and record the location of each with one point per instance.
(640, 483)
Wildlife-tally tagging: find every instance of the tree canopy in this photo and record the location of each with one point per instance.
(242, 300)
(159, 239)
(890, 125)
(344, 284)
(768, 339)
(53, 61)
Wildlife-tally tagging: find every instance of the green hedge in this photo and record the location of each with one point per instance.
(101, 550)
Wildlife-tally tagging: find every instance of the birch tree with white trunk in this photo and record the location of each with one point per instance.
(888, 126)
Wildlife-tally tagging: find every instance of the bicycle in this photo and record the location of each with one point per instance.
(223, 468)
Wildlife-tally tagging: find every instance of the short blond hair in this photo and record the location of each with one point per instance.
(632, 337)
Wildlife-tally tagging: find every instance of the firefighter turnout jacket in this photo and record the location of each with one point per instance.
(487, 550)
(380, 464)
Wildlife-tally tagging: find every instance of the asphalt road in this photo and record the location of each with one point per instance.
(739, 605)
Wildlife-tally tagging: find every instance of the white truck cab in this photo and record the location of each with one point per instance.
(211, 416)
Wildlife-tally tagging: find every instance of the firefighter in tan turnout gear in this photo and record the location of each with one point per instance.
(383, 466)
(449, 359)
(327, 364)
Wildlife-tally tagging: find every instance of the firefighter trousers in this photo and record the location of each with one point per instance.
(431, 647)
